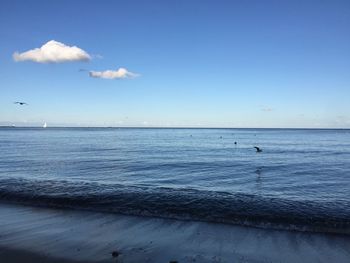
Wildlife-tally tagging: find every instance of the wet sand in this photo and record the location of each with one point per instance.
(29, 234)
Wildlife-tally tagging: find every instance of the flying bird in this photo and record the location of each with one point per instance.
(20, 103)
(258, 150)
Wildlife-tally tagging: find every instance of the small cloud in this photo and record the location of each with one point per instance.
(265, 108)
(53, 52)
(121, 73)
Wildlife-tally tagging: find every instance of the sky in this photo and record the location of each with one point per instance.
(175, 63)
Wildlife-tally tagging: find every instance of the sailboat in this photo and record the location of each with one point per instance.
(45, 125)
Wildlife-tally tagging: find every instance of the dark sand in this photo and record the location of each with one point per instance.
(30, 234)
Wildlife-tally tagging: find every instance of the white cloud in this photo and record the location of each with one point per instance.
(267, 109)
(53, 52)
(120, 73)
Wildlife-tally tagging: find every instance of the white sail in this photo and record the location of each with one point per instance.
(45, 125)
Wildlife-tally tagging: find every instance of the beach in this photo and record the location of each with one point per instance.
(35, 234)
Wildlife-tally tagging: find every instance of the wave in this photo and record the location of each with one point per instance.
(184, 204)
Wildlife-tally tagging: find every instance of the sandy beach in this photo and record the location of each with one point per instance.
(29, 234)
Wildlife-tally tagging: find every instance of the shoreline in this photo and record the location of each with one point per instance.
(35, 234)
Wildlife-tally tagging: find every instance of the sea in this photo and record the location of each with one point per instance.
(300, 181)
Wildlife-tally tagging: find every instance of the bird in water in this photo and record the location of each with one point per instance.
(20, 103)
(258, 150)
(236, 143)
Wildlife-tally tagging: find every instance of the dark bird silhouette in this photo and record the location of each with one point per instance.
(258, 171)
(235, 142)
(20, 103)
(258, 150)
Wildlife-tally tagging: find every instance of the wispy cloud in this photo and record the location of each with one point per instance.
(265, 108)
(53, 52)
(120, 73)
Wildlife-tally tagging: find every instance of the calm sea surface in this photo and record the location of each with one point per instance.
(301, 179)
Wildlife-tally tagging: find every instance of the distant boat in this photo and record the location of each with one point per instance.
(45, 125)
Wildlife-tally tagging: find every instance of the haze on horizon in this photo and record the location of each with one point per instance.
(175, 63)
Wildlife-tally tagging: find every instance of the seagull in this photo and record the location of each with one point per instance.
(20, 103)
(258, 150)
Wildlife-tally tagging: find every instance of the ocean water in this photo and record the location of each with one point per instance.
(300, 181)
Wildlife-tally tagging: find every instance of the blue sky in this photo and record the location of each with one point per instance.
(199, 63)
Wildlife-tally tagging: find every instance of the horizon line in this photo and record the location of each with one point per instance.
(176, 127)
